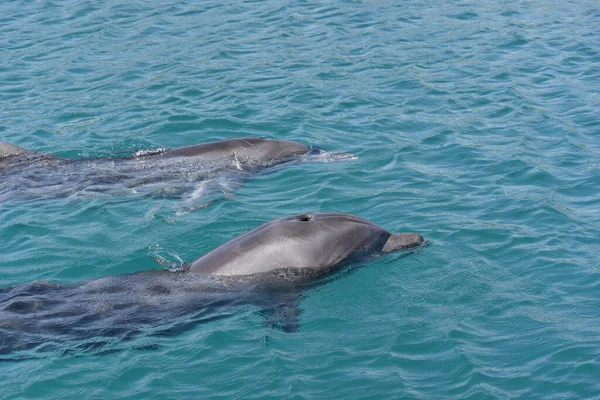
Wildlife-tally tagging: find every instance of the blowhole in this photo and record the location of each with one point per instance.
(304, 217)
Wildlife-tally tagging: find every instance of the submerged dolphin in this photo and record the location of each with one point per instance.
(189, 173)
(268, 267)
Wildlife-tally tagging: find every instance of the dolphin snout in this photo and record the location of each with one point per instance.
(403, 241)
(416, 240)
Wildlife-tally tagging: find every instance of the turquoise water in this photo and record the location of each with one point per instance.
(474, 123)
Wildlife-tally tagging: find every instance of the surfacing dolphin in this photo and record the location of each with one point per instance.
(191, 174)
(305, 246)
(268, 267)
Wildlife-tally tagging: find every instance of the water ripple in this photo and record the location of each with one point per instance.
(473, 124)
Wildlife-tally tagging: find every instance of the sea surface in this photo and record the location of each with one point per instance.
(476, 124)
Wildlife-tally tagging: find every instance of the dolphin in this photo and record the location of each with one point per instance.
(315, 242)
(191, 174)
(269, 267)
(10, 150)
(250, 151)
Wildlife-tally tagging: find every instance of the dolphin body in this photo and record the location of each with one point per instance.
(307, 244)
(269, 267)
(190, 173)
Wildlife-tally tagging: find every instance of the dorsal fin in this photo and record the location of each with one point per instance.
(7, 150)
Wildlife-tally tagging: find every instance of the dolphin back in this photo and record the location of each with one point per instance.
(255, 151)
(312, 242)
(8, 150)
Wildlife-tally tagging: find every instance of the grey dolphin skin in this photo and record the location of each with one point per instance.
(317, 242)
(189, 173)
(250, 152)
(269, 268)
(7, 150)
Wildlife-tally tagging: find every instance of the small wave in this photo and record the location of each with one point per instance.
(330, 157)
(169, 261)
(148, 152)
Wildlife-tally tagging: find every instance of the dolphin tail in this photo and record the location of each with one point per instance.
(402, 241)
(7, 150)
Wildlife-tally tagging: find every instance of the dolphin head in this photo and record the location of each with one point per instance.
(348, 233)
(249, 152)
(261, 151)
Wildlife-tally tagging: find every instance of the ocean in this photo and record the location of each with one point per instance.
(475, 124)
